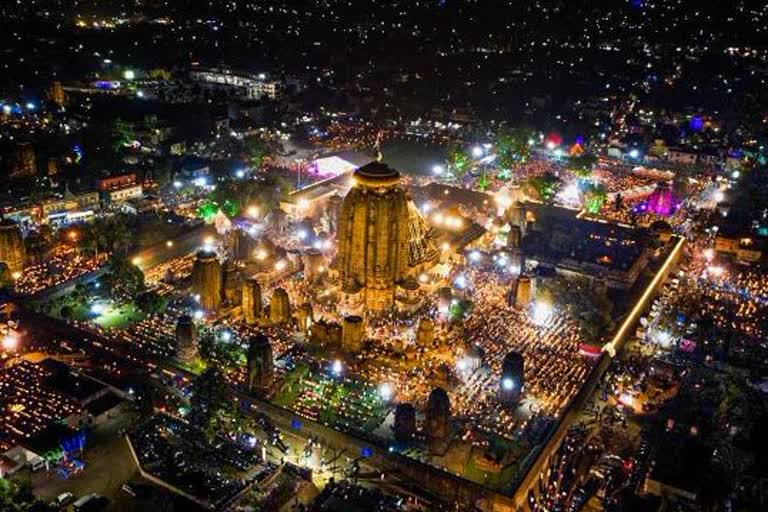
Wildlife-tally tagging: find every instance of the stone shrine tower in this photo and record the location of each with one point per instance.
(382, 239)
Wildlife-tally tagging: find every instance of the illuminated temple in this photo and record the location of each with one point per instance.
(383, 242)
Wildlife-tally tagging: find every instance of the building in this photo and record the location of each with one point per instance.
(511, 382)
(279, 307)
(382, 240)
(251, 86)
(117, 182)
(123, 194)
(70, 208)
(186, 339)
(405, 422)
(12, 250)
(438, 416)
(747, 249)
(207, 280)
(261, 367)
(251, 301)
(352, 333)
(24, 162)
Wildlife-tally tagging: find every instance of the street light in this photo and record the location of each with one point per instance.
(477, 151)
(10, 342)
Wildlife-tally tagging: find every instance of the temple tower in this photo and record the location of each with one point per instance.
(207, 279)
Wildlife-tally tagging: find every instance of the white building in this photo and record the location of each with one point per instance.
(254, 86)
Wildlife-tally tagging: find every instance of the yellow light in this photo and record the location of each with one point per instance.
(16, 275)
(136, 261)
(10, 342)
(169, 243)
(252, 211)
(208, 240)
(280, 265)
(261, 254)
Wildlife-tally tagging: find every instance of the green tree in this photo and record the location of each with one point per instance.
(209, 399)
(594, 197)
(122, 278)
(256, 150)
(458, 162)
(512, 147)
(544, 186)
(582, 165)
(123, 134)
(15, 497)
(151, 302)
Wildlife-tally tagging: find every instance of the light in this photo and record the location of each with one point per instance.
(177, 184)
(252, 211)
(226, 336)
(280, 265)
(735, 175)
(169, 243)
(30, 106)
(261, 254)
(507, 383)
(16, 275)
(719, 196)
(426, 207)
(445, 246)
(303, 204)
(715, 270)
(139, 93)
(634, 153)
(558, 153)
(437, 169)
(531, 142)
(129, 74)
(386, 392)
(240, 173)
(503, 200)
(475, 256)
(336, 367)
(97, 309)
(460, 282)
(301, 234)
(7, 109)
(200, 182)
(198, 315)
(550, 145)
(541, 312)
(423, 278)
(208, 240)
(136, 261)
(10, 342)
(709, 254)
(196, 297)
(73, 235)
(477, 151)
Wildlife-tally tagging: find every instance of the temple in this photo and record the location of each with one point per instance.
(383, 242)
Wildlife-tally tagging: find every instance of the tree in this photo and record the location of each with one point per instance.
(512, 147)
(123, 134)
(594, 197)
(208, 400)
(15, 497)
(122, 278)
(458, 162)
(256, 150)
(544, 186)
(581, 165)
(151, 302)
